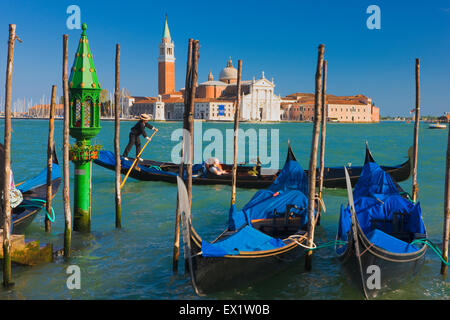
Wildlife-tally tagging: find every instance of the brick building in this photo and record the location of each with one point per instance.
(358, 108)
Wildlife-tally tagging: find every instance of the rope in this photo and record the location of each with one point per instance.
(314, 246)
(433, 247)
(52, 219)
(408, 197)
(331, 244)
(295, 238)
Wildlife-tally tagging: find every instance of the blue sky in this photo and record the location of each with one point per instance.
(277, 37)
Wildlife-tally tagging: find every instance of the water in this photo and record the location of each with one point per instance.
(135, 262)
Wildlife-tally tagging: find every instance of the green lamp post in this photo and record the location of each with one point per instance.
(84, 97)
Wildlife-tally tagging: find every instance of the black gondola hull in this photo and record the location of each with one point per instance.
(215, 274)
(333, 177)
(394, 269)
(23, 215)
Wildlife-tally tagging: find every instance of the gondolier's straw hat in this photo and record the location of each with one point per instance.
(145, 116)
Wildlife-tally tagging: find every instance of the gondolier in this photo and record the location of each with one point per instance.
(136, 132)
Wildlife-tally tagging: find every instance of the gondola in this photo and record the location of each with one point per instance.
(34, 192)
(260, 240)
(247, 176)
(379, 229)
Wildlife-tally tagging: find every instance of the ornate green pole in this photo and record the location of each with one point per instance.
(84, 97)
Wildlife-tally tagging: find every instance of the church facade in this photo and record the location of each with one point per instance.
(215, 99)
(258, 100)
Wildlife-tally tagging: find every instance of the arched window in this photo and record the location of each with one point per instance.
(77, 115)
(88, 112)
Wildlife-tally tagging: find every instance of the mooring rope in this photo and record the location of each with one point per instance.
(435, 249)
(52, 219)
(314, 246)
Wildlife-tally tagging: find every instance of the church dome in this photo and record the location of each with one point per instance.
(229, 73)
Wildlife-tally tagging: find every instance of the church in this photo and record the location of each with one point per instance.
(215, 99)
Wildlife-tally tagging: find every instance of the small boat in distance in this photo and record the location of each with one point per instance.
(437, 125)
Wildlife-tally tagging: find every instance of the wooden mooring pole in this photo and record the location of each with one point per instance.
(415, 186)
(190, 128)
(236, 127)
(176, 242)
(116, 140)
(446, 209)
(66, 143)
(7, 161)
(322, 138)
(51, 130)
(313, 157)
(190, 115)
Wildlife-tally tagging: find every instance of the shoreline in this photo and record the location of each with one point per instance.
(231, 121)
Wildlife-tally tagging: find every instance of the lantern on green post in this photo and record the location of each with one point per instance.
(84, 97)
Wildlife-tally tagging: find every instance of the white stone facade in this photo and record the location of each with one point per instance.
(260, 103)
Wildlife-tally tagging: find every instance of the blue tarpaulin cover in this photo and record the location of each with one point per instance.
(40, 179)
(289, 188)
(376, 200)
(247, 239)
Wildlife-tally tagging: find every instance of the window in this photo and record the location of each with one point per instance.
(77, 115)
(87, 112)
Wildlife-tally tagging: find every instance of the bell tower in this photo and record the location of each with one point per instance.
(166, 63)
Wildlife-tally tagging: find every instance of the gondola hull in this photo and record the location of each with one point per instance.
(215, 274)
(34, 193)
(334, 177)
(24, 214)
(394, 269)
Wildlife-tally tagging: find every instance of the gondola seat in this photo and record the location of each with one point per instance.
(389, 243)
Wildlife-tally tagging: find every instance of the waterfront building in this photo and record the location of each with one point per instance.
(258, 101)
(358, 108)
(159, 108)
(211, 88)
(215, 99)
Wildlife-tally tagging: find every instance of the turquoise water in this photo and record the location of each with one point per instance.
(135, 262)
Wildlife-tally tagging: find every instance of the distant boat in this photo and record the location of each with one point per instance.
(437, 125)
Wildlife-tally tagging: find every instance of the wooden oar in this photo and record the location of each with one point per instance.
(18, 184)
(135, 160)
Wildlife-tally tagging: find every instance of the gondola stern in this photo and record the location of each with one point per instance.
(369, 157)
(410, 161)
(290, 153)
(54, 156)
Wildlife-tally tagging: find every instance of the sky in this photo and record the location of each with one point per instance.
(279, 37)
